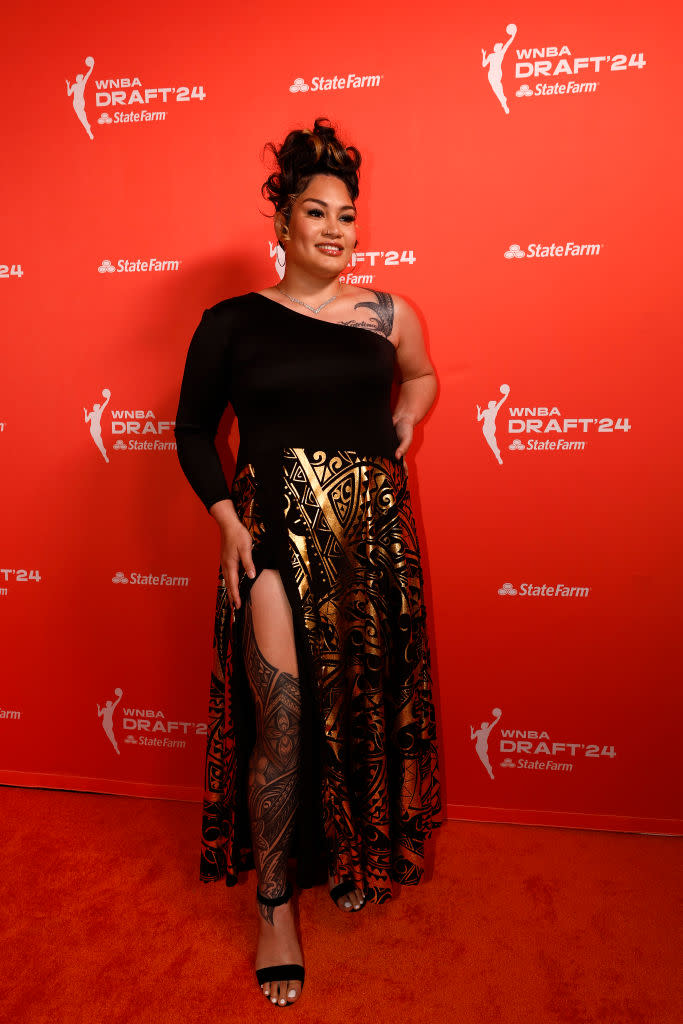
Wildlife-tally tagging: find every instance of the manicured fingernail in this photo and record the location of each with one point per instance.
(252, 573)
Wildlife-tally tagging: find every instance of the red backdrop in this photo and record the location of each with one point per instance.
(540, 247)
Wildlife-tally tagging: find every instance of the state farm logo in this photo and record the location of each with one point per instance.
(148, 579)
(337, 82)
(542, 590)
(150, 265)
(558, 71)
(532, 421)
(146, 727)
(133, 424)
(129, 94)
(540, 250)
(555, 755)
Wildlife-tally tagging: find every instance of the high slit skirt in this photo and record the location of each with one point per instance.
(339, 527)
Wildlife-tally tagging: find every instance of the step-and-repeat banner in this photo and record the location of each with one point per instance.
(520, 185)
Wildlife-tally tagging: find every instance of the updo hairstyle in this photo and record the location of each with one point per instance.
(303, 154)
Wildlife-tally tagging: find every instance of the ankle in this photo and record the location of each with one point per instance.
(275, 914)
(275, 899)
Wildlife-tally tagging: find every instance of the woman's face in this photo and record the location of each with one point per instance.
(321, 233)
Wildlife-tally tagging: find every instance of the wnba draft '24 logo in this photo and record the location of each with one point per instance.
(126, 92)
(538, 751)
(132, 424)
(534, 421)
(147, 727)
(353, 274)
(555, 69)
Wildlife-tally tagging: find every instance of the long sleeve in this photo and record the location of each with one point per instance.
(204, 395)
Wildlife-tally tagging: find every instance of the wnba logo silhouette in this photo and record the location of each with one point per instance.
(277, 254)
(77, 90)
(494, 61)
(106, 713)
(488, 415)
(481, 735)
(94, 419)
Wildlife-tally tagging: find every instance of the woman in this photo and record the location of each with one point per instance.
(321, 738)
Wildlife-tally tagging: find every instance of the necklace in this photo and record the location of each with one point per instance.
(313, 309)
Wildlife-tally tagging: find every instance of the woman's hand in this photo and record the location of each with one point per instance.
(418, 380)
(404, 432)
(236, 545)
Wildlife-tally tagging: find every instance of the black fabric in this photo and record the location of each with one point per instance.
(292, 380)
(315, 392)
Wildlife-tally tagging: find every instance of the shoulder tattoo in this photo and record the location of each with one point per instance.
(382, 319)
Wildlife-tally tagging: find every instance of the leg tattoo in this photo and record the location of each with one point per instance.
(273, 766)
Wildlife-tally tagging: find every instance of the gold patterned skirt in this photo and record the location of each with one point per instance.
(339, 527)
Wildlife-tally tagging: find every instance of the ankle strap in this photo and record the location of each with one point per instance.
(274, 901)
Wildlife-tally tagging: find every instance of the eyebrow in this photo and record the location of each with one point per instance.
(310, 199)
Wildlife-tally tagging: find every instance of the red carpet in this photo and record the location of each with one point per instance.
(105, 921)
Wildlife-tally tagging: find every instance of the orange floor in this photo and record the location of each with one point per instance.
(104, 921)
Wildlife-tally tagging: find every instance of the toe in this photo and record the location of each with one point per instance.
(293, 990)
(350, 901)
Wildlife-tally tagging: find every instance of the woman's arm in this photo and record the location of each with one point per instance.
(418, 380)
(204, 395)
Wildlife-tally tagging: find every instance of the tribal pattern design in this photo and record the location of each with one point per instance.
(383, 320)
(274, 766)
(355, 560)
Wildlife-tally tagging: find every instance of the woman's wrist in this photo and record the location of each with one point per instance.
(223, 512)
(406, 417)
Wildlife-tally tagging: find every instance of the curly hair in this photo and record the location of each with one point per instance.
(303, 154)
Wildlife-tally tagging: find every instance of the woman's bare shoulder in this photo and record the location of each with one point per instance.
(373, 309)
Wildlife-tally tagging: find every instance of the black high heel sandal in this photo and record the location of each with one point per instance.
(341, 890)
(279, 972)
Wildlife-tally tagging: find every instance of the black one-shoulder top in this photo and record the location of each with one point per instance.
(293, 381)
